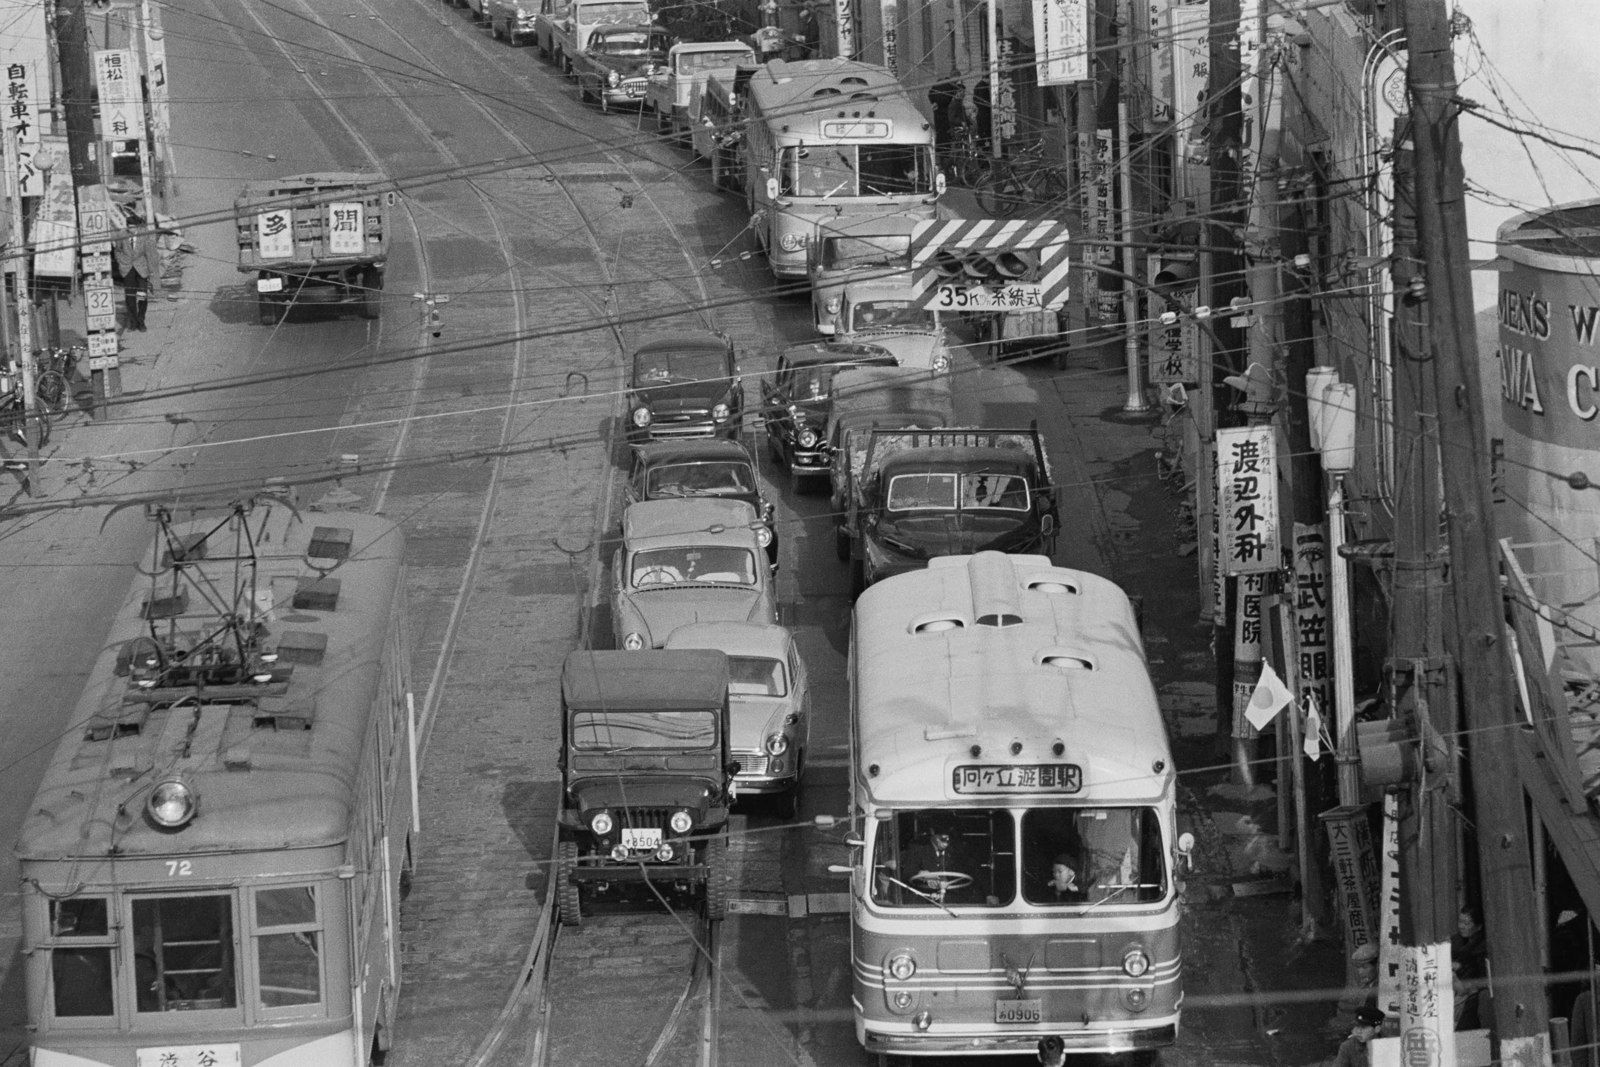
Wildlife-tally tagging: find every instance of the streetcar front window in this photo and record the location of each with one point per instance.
(183, 953)
(818, 170)
(1085, 856)
(896, 170)
(80, 957)
(288, 941)
(945, 858)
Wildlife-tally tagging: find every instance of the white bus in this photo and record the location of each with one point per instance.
(834, 140)
(1013, 806)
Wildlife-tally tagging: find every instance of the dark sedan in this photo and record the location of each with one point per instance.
(670, 469)
(797, 400)
(685, 385)
(616, 66)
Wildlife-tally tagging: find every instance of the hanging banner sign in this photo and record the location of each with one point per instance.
(1313, 650)
(889, 11)
(844, 18)
(1188, 31)
(1247, 499)
(1389, 905)
(22, 102)
(275, 234)
(347, 229)
(1061, 41)
(1355, 872)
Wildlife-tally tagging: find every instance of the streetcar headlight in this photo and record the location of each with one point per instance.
(777, 744)
(1135, 964)
(941, 362)
(172, 802)
(902, 967)
(792, 242)
(832, 306)
(808, 438)
(641, 417)
(633, 642)
(763, 534)
(721, 412)
(681, 822)
(601, 823)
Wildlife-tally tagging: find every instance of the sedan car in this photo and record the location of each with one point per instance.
(668, 470)
(616, 66)
(883, 313)
(685, 385)
(512, 20)
(769, 704)
(684, 561)
(797, 399)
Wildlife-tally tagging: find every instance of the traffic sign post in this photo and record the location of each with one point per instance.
(99, 298)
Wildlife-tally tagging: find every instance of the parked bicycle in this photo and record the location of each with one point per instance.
(1023, 183)
(53, 371)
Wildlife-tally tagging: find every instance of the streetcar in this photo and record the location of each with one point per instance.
(213, 863)
(833, 140)
(1013, 806)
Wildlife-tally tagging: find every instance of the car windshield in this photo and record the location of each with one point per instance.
(921, 492)
(700, 479)
(876, 250)
(856, 170)
(1004, 492)
(695, 62)
(880, 314)
(757, 676)
(628, 43)
(660, 365)
(613, 14)
(694, 563)
(600, 730)
(939, 492)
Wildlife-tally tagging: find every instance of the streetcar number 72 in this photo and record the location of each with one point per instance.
(180, 868)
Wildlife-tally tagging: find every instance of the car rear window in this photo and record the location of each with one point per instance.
(613, 730)
(697, 563)
(679, 365)
(757, 676)
(700, 479)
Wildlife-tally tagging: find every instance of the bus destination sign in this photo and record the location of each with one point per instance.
(1018, 778)
(858, 129)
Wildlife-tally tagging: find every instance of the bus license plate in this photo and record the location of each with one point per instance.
(632, 838)
(1018, 1011)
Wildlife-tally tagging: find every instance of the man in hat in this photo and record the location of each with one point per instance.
(1354, 1051)
(138, 260)
(1052, 1051)
(933, 866)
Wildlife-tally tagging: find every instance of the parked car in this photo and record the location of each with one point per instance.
(882, 313)
(669, 470)
(563, 27)
(615, 67)
(769, 704)
(513, 20)
(683, 561)
(797, 398)
(685, 385)
(877, 248)
(647, 778)
(689, 64)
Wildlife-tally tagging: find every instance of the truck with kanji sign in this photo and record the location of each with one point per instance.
(313, 239)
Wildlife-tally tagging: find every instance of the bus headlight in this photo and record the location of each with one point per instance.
(1136, 998)
(1135, 964)
(601, 823)
(941, 362)
(777, 744)
(902, 1000)
(172, 802)
(641, 417)
(901, 967)
(792, 242)
(633, 642)
(681, 822)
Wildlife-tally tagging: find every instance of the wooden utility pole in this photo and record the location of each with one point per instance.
(1521, 1012)
(77, 90)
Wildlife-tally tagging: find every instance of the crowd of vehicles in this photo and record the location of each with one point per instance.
(214, 860)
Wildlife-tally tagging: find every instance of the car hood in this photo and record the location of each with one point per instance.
(687, 790)
(627, 66)
(913, 348)
(681, 395)
(751, 719)
(663, 611)
(961, 533)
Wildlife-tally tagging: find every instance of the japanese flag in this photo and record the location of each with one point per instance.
(1312, 744)
(1270, 697)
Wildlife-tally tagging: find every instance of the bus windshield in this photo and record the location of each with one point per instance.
(832, 170)
(1066, 857)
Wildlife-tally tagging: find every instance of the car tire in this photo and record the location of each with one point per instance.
(569, 904)
(858, 578)
(270, 311)
(717, 877)
(841, 543)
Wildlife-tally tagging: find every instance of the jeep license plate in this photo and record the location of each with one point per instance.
(640, 839)
(1018, 1011)
(269, 285)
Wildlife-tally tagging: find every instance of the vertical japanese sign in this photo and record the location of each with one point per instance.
(889, 11)
(1189, 53)
(844, 17)
(1247, 650)
(1159, 75)
(55, 227)
(275, 234)
(1174, 347)
(1389, 947)
(347, 229)
(1005, 96)
(1355, 872)
(121, 101)
(1061, 41)
(1247, 499)
(1313, 654)
(22, 103)
(1102, 224)
(1427, 1007)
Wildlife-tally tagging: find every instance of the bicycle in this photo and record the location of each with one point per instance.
(13, 415)
(53, 370)
(1020, 183)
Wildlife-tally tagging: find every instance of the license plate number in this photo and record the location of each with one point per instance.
(640, 838)
(1018, 1011)
(269, 285)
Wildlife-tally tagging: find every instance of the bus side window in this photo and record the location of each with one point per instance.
(885, 864)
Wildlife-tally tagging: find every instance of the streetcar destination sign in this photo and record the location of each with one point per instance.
(1018, 778)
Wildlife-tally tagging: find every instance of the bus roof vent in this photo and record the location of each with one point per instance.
(938, 624)
(1063, 660)
(127, 721)
(852, 79)
(1052, 586)
(827, 90)
(994, 590)
(331, 542)
(316, 594)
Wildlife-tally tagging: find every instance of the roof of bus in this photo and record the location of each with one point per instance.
(272, 766)
(791, 91)
(935, 677)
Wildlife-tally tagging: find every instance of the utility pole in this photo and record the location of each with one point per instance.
(77, 90)
(1520, 1008)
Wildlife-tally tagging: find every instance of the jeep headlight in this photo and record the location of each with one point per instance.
(681, 822)
(721, 412)
(601, 823)
(1135, 964)
(633, 642)
(901, 967)
(792, 242)
(941, 362)
(641, 417)
(777, 744)
(808, 438)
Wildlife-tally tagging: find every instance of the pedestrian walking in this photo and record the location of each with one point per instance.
(1469, 959)
(138, 259)
(1354, 1051)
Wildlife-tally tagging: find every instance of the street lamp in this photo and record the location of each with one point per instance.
(1332, 407)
